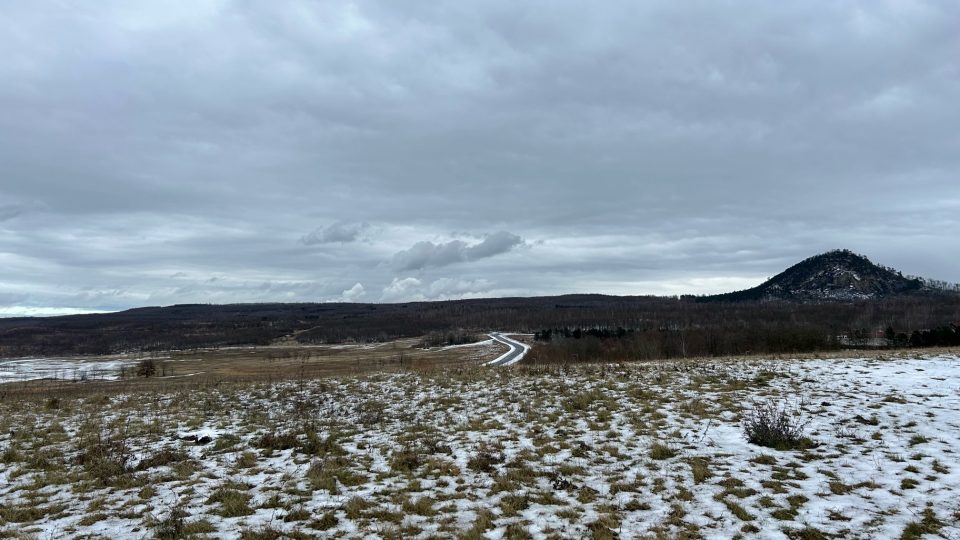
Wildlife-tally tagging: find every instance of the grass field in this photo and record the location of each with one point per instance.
(205, 367)
(458, 450)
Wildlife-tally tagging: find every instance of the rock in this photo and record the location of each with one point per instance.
(199, 438)
(561, 484)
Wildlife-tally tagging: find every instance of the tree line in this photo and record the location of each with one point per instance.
(657, 326)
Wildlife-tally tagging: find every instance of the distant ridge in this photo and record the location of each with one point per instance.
(835, 276)
(797, 319)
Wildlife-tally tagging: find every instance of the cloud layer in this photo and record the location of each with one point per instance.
(221, 151)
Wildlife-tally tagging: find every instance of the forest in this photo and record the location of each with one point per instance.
(653, 327)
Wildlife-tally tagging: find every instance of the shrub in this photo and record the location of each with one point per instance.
(775, 426)
(147, 368)
(105, 458)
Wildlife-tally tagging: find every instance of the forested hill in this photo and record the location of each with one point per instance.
(839, 275)
(195, 326)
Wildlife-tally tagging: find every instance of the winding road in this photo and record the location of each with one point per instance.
(514, 355)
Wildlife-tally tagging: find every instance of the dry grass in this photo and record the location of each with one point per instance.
(197, 369)
(596, 451)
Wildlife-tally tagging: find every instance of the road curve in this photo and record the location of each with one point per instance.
(514, 355)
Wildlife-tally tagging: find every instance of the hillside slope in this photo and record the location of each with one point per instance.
(839, 276)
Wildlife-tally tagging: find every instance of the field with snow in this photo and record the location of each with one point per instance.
(630, 450)
(66, 369)
(268, 363)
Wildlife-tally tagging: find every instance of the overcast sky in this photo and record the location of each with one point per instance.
(167, 152)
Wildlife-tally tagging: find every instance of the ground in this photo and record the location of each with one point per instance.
(623, 450)
(216, 365)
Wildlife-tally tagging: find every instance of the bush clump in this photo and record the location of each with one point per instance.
(147, 368)
(776, 426)
(105, 456)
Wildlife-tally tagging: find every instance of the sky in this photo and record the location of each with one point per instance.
(199, 151)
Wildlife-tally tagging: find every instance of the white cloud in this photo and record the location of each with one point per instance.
(413, 290)
(402, 290)
(353, 294)
(448, 288)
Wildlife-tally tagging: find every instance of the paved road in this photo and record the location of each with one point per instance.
(516, 353)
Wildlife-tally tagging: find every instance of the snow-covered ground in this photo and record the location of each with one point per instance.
(76, 369)
(483, 343)
(645, 449)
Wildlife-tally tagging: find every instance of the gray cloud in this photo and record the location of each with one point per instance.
(650, 147)
(340, 231)
(11, 298)
(428, 254)
(10, 211)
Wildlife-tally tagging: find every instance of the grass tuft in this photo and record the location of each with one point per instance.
(661, 451)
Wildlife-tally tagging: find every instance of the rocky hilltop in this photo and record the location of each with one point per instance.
(839, 276)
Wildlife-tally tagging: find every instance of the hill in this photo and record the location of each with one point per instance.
(835, 276)
(837, 293)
